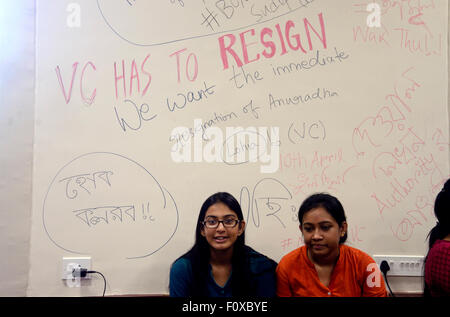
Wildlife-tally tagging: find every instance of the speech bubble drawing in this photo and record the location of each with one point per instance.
(105, 201)
(192, 20)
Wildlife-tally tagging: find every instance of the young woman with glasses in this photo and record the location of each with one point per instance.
(220, 264)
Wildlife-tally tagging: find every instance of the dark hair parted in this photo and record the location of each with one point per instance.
(330, 203)
(199, 254)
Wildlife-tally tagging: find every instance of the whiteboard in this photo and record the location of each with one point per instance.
(145, 108)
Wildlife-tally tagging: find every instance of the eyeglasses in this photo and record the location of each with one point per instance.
(214, 223)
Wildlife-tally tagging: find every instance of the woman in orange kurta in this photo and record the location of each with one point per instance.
(325, 266)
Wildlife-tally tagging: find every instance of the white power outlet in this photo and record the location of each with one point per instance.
(402, 265)
(68, 264)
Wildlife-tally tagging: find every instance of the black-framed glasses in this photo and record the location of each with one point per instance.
(213, 223)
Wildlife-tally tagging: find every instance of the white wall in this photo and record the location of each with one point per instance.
(17, 53)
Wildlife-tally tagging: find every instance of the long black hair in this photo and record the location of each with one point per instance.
(441, 205)
(330, 203)
(199, 254)
(442, 227)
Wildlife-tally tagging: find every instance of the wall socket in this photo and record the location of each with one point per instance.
(402, 265)
(68, 264)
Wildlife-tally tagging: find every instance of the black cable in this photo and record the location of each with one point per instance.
(384, 267)
(104, 279)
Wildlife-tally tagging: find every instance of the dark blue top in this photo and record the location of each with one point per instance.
(261, 267)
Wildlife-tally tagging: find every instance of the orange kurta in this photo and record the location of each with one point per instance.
(354, 275)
